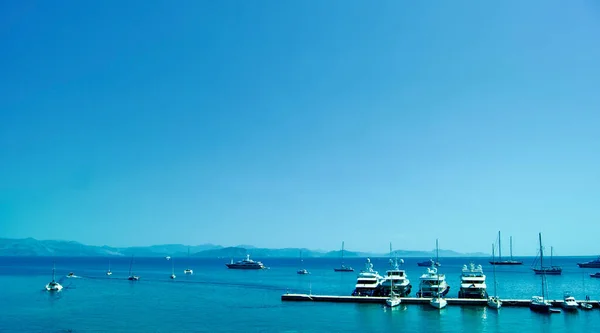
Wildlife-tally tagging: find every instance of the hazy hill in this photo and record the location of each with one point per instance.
(34, 247)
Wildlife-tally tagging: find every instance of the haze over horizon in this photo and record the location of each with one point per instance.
(302, 124)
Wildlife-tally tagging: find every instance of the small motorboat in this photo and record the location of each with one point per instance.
(595, 275)
(585, 306)
(71, 275)
(494, 302)
(173, 276)
(302, 272)
(569, 303)
(133, 278)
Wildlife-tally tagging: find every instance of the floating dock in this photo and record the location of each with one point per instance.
(415, 300)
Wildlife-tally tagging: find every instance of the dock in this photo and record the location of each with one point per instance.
(415, 300)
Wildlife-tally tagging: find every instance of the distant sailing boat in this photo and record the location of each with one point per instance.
(109, 273)
(131, 276)
(302, 271)
(343, 268)
(394, 299)
(552, 270)
(505, 262)
(430, 262)
(188, 270)
(493, 301)
(173, 276)
(53, 285)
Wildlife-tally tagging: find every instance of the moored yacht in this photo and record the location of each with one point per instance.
(433, 284)
(132, 277)
(245, 264)
(590, 264)
(395, 280)
(472, 282)
(438, 302)
(368, 281)
(53, 285)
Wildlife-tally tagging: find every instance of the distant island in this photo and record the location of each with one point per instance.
(34, 247)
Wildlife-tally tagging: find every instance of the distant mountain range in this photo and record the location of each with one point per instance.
(34, 247)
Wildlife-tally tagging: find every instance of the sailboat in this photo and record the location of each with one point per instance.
(539, 303)
(53, 285)
(302, 271)
(173, 276)
(493, 301)
(109, 273)
(188, 270)
(131, 276)
(438, 301)
(343, 268)
(505, 262)
(552, 270)
(394, 299)
(430, 262)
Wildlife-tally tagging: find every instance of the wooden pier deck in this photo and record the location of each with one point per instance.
(415, 300)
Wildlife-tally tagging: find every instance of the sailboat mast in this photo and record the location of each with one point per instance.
(53, 271)
(542, 264)
(551, 254)
(437, 252)
(172, 266)
(130, 264)
(342, 253)
(494, 267)
(499, 247)
(511, 257)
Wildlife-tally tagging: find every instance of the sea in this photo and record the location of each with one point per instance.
(218, 299)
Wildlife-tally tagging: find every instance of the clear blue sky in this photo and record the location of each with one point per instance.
(302, 123)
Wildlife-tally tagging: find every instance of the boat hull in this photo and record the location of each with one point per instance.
(540, 308)
(432, 294)
(473, 294)
(344, 269)
(506, 262)
(234, 266)
(494, 303)
(548, 271)
(392, 302)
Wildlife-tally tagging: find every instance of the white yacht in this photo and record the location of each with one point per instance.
(433, 284)
(569, 303)
(472, 282)
(368, 281)
(53, 285)
(109, 272)
(188, 271)
(396, 279)
(246, 264)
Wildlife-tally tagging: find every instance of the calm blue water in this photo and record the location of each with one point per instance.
(216, 299)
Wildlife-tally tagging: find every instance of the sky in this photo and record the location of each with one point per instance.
(302, 123)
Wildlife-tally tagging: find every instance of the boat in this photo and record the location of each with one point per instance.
(505, 262)
(53, 285)
(430, 262)
(188, 271)
(472, 282)
(173, 276)
(343, 268)
(393, 300)
(302, 271)
(71, 275)
(395, 279)
(132, 277)
(168, 257)
(433, 284)
(590, 264)
(438, 302)
(109, 273)
(539, 303)
(569, 303)
(550, 270)
(246, 264)
(368, 281)
(494, 302)
(595, 275)
(585, 305)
